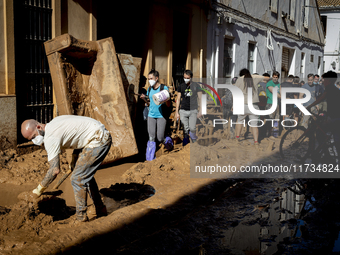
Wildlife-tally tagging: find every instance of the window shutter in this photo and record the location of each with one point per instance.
(305, 23)
(273, 5)
(285, 58)
(292, 10)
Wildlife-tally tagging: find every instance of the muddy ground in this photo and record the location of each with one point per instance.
(156, 208)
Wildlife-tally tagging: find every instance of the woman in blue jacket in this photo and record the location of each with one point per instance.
(156, 120)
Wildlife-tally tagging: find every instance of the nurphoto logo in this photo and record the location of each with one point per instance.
(238, 104)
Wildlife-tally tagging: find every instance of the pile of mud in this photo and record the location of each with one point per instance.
(169, 194)
(26, 165)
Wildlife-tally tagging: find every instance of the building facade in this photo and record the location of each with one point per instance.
(330, 15)
(264, 36)
(170, 36)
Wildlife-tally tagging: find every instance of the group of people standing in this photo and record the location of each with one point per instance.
(262, 98)
(189, 94)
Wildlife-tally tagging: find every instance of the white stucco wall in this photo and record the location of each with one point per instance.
(266, 60)
(332, 46)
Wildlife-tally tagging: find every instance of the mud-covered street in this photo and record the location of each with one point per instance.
(156, 208)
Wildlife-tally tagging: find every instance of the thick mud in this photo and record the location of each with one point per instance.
(157, 208)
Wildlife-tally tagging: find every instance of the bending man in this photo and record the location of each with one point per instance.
(91, 143)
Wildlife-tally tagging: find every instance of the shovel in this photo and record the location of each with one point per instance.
(29, 196)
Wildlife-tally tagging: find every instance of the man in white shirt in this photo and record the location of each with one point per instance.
(91, 143)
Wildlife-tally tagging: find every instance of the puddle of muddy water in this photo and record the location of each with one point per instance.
(207, 141)
(9, 193)
(123, 194)
(272, 224)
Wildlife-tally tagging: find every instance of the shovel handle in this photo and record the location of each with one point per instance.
(62, 179)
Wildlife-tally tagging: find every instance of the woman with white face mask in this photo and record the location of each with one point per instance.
(156, 120)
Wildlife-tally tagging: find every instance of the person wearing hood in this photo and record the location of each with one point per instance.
(156, 120)
(91, 143)
(188, 96)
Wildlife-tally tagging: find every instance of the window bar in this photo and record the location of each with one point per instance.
(41, 90)
(44, 14)
(27, 56)
(36, 114)
(39, 22)
(50, 91)
(36, 89)
(44, 60)
(30, 22)
(49, 32)
(45, 90)
(26, 15)
(31, 91)
(30, 45)
(35, 57)
(34, 23)
(40, 56)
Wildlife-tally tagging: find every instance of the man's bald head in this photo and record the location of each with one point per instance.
(28, 128)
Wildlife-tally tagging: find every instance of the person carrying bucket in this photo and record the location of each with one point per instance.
(187, 106)
(159, 95)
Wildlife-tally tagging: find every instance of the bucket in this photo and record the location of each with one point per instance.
(161, 97)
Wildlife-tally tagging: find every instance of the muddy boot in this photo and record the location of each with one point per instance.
(82, 216)
(97, 200)
(150, 150)
(168, 143)
(81, 205)
(186, 139)
(193, 136)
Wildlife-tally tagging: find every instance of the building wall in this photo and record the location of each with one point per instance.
(161, 35)
(261, 10)
(8, 118)
(78, 19)
(332, 47)
(242, 33)
(7, 73)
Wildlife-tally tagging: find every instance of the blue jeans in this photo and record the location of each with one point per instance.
(82, 178)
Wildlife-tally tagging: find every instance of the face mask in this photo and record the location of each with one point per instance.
(187, 81)
(314, 83)
(152, 82)
(38, 140)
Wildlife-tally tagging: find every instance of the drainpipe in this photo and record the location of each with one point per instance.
(212, 66)
(217, 33)
(201, 63)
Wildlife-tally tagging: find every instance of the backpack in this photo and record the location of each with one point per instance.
(262, 95)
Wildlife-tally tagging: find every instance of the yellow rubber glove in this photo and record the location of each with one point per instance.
(39, 190)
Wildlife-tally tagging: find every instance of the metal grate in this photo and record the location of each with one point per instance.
(34, 86)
